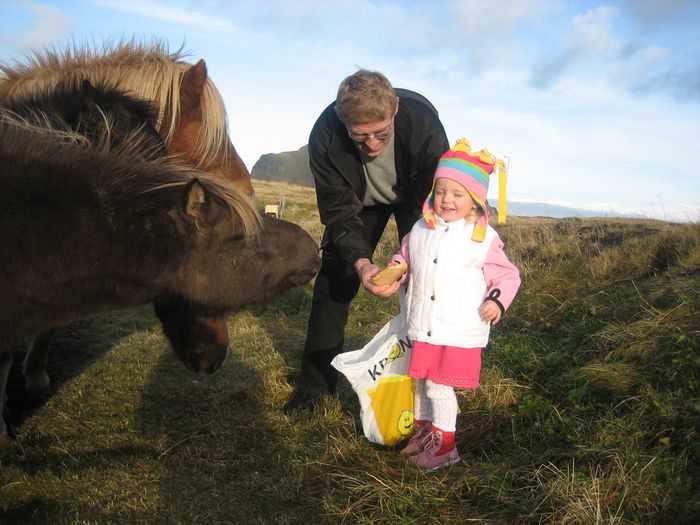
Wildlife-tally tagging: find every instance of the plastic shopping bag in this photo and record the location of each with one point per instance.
(377, 373)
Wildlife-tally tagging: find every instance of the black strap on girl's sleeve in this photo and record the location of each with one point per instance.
(493, 296)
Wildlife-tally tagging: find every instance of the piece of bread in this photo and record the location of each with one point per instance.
(389, 274)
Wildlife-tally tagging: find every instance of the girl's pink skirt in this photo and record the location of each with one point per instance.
(446, 365)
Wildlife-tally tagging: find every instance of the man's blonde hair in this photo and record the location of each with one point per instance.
(365, 96)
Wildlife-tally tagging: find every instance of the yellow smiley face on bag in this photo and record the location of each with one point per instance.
(405, 424)
(394, 352)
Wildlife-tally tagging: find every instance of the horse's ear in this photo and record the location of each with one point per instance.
(194, 200)
(199, 209)
(88, 88)
(192, 86)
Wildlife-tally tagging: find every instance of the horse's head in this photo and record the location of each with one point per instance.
(113, 118)
(202, 113)
(246, 271)
(228, 266)
(200, 342)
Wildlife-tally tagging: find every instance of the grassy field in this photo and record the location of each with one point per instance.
(588, 411)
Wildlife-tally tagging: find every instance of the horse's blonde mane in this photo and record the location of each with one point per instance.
(149, 71)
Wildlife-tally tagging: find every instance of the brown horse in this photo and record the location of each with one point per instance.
(191, 117)
(85, 230)
(191, 121)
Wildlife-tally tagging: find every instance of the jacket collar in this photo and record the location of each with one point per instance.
(442, 223)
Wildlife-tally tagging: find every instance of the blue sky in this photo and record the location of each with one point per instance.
(589, 102)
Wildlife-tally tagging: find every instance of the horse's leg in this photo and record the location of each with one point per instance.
(5, 364)
(36, 379)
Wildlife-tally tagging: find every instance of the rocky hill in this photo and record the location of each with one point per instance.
(289, 166)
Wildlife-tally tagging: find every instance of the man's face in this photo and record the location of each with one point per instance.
(372, 137)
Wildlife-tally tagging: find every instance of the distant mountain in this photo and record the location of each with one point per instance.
(288, 166)
(293, 167)
(543, 209)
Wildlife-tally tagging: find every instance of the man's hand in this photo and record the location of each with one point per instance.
(365, 269)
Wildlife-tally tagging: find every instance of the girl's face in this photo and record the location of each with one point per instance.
(451, 201)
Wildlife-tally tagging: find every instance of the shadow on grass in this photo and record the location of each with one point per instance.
(74, 348)
(220, 445)
(165, 444)
(26, 511)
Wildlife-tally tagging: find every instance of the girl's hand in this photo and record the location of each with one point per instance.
(490, 311)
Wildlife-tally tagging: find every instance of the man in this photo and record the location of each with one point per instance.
(373, 153)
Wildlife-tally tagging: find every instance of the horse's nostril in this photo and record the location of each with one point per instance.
(193, 363)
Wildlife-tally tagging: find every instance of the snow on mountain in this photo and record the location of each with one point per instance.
(661, 211)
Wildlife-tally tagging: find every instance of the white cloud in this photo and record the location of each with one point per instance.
(591, 37)
(592, 31)
(44, 25)
(652, 16)
(169, 13)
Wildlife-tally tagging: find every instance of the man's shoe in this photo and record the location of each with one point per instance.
(301, 401)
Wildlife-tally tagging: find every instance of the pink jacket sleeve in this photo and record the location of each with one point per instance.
(502, 277)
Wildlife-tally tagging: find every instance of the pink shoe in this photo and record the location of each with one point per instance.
(415, 443)
(428, 459)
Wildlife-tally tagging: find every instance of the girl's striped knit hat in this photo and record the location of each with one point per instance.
(470, 169)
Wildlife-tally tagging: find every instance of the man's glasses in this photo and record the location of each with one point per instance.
(381, 135)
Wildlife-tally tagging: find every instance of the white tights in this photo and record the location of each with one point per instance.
(437, 403)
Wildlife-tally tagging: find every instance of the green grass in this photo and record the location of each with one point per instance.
(588, 410)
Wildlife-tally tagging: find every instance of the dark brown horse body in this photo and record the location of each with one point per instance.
(84, 230)
(187, 115)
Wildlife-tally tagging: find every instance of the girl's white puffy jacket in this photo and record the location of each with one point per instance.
(449, 277)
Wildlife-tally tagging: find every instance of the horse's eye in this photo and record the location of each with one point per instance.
(236, 236)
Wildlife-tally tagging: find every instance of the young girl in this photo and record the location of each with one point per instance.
(459, 282)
